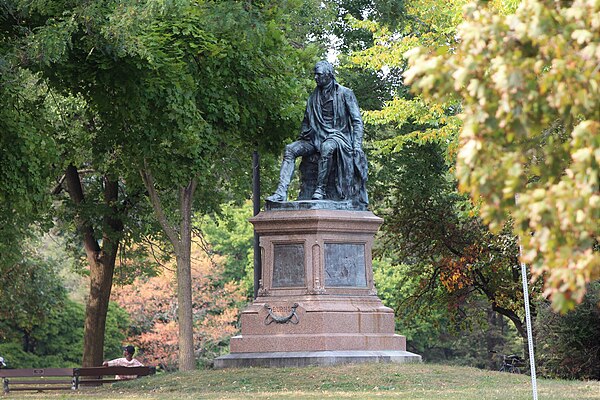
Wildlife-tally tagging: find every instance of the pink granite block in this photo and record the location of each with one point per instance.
(348, 317)
(316, 342)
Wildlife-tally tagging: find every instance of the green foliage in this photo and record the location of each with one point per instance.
(439, 327)
(412, 190)
(40, 325)
(567, 345)
(231, 236)
(54, 342)
(166, 85)
(27, 152)
(448, 254)
(421, 323)
(57, 341)
(117, 326)
(350, 37)
(424, 23)
(528, 84)
(29, 290)
(372, 88)
(182, 89)
(15, 357)
(200, 76)
(61, 337)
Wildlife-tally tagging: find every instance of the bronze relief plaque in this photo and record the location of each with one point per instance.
(345, 265)
(288, 266)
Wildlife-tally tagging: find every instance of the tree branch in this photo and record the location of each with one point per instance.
(92, 248)
(112, 220)
(512, 316)
(157, 206)
(59, 185)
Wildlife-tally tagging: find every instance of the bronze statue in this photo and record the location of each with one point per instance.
(332, 133)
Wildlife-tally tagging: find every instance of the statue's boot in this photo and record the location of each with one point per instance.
(321, 177)
(285, 177)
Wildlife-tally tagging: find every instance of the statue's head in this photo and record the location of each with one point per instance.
(323, 73)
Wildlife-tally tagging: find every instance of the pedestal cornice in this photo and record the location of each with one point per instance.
(309, 221)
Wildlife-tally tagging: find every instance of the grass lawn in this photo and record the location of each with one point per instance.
(366, 381)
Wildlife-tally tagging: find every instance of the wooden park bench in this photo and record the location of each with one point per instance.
(41, 379)
(95, 375)
(37, 379)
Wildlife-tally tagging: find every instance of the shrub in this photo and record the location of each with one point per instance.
(152, 307)
(568, 345)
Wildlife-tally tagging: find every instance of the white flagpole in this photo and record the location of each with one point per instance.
(528, 318)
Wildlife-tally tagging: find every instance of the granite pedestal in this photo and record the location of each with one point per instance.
(316, 302)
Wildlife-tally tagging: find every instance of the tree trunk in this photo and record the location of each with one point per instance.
(187, 360)
(95, 312)
(181, 239)
(101, 262)
(491, 338)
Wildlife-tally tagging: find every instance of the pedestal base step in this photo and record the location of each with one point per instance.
(303, 359)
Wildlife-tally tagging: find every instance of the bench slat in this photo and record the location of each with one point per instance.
(44, 382)
(35, 372)
(103, 371)
(92, 381)
(38, 388)
(76, 373)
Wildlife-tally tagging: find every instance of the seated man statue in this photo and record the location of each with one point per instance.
(333, 129)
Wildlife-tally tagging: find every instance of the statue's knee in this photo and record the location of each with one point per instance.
(290, 152)
(327, 149)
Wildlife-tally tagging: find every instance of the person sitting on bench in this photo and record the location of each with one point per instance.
(126, 361)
